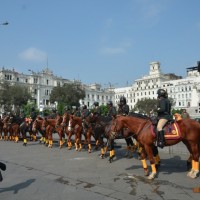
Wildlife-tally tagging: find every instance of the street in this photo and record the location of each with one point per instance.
(38, 172)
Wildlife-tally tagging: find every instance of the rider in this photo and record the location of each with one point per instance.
(85, 112)
(164, 115)
(123, 109)
(111, 109)
(97, 109)
(111, 113)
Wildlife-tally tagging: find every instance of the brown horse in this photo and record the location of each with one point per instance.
(53, 126)
(66, 129)
(76, 128)
(189, 134)
(37, 127)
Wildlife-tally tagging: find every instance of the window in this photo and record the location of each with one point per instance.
(35, 80)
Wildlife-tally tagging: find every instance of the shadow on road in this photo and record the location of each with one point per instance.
(17, 187)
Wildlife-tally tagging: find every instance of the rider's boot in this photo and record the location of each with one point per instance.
(161, 142)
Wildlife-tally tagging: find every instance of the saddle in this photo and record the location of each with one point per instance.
(171, 129)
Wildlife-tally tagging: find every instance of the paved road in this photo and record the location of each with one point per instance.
(37, 172)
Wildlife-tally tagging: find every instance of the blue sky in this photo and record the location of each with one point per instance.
(100, 41)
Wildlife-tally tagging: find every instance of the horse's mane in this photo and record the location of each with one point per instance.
(105, 119)
(138, 115)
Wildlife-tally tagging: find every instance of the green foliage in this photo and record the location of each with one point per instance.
(144, 106)
(176, 111)
(26, 109)
(16, 95)
(104, 110)
(68, 94)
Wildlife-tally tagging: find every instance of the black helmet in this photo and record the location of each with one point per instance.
(96, 103)
(161, 93)
(84, 107)
(110, 103)
(67, 108)
(122, 100)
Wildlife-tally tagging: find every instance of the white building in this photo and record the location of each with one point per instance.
(184, 91)
(40, 85)
(145, 87)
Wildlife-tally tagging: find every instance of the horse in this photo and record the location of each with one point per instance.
(37, 127)
(6, 127)
(66, 129)
(185, 130)
(1, 128)
(76, 128)
(51, 126)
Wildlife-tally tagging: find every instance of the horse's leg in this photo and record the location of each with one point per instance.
(24, 137)
(195, 152)
(69, 143)
(60, 134)
(156, 156)
(16, 134)
(50, 134)
(149, 152)
(102, 155)
(112, 151)
(80, 139)
(89, 134)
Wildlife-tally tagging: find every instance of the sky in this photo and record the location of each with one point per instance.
(110, 42)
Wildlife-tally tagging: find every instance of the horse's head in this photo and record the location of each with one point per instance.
(59, 120)
(35, 125)
(116, 126)
(65, 120)
(177, 116)
(44, 124)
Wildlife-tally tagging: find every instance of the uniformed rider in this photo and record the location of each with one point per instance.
(164, 115)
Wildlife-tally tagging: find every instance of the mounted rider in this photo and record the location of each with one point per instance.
(123, 109)
(97, 110)
(85, 112)
(111, 109)
(164, 115)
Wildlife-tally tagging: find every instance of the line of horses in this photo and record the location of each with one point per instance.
(135, 126)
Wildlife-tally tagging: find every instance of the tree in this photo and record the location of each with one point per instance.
(144, 106)
(19, 95)
(68, 94)
(13, 95)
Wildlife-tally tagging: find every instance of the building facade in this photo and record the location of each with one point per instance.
(185, 92)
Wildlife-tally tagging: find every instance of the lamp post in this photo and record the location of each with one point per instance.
(4, 23)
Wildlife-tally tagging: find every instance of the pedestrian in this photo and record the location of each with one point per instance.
(2, 167)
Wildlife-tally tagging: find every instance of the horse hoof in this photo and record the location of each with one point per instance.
(146, 172)
(152, 176)
(101, 156)
(193, 174)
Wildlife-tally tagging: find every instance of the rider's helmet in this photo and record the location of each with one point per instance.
(122, 100)
(96, 104)
(110, 103)
(161, 93)
(84, 107)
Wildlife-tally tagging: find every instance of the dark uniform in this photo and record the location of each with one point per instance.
(76, 112)
(111, 110)
(85, 112)
(123, 109)
(97, 109)
(164, 115)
